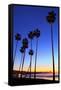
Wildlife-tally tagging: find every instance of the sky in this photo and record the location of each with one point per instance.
(26, 19)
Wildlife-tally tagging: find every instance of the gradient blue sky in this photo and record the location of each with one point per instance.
(26, 19)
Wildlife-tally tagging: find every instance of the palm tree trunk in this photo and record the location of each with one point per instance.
(52, 53)
(36, 58)
(30, 59)
(31, 44)
(22, 64)
(29, 68)
(30, 64)
(27, 71)
(15, 53)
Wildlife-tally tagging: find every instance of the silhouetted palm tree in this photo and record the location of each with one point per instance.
(37, 35)
(25, 45)
(17, 38)
(22, 51)
(51, 19)
(30, 36)
(30, 53)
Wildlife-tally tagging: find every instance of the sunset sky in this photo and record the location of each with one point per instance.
(26, 19)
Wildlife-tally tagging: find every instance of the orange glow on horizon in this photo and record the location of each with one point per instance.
(39, 69)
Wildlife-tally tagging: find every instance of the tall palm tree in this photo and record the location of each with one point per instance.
(30, 36)
(25, 45)
(17, 38)
(30, 53)
(22, 51)
(51, 19)
(37, 35)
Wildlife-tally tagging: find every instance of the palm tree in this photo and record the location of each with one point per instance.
(22, 51)
(51, 19)
(17, 38)
(25, 45)
(37, 35)
(30, 53)
(30, 36)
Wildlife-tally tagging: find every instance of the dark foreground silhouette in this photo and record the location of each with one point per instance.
(15, 80)
(29, 81)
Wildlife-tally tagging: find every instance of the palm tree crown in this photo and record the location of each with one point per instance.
(22, 49)
(51, 17)
(18, 37)
(37, 33)
(25, 43)
(31, 35)
(31, 52)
